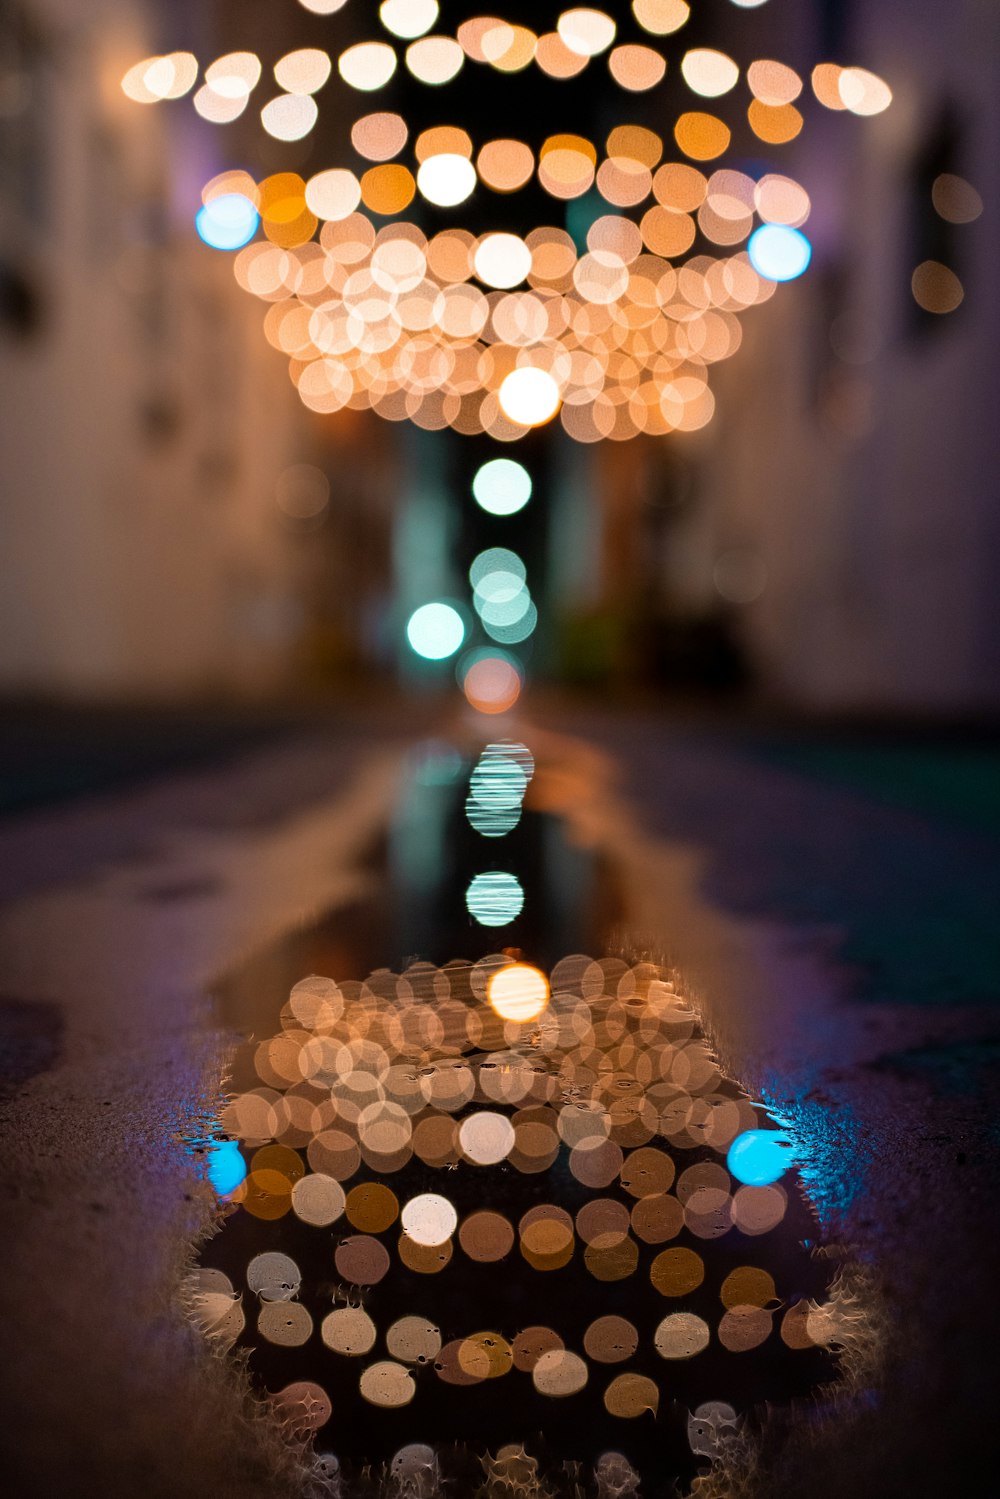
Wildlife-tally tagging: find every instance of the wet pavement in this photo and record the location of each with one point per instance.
(829, 914)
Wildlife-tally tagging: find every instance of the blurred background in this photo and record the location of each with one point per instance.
(180, 528)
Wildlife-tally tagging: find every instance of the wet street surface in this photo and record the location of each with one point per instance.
(521, 1250)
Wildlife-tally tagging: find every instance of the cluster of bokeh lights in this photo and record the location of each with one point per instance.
(380, 1105)
(501, 332)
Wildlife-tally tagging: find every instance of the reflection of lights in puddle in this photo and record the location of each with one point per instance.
(496, 788)
(494, 898)
(429, 1220)
(595, 1074)
(518, 993)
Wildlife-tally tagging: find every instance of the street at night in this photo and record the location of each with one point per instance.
(499, 771)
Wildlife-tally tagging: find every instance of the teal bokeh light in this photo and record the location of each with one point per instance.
(502, 487)
(227, 222)
(778, 253)
(435, 631)
(759, 1157)
(226, 1166)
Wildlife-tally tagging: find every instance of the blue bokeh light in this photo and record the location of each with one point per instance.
(759, 1157)
(778, 253)
(226, 1166)
(227, 222)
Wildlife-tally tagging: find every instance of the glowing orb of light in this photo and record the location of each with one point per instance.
(226, 1166)
(518, 992)
(778, 253)
(494, 899)
(759, 1157)
(446, 179)
(586, 32)
(408, 18)
(429, 1219)
(502, 486)
(227, 222)
(502, 260)
(486, 1138)
(435, 631)
(492, 683)
(529, 397)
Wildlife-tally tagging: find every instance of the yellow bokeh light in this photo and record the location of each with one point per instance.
(156, 78)
(826, 85)
(774, 123)
(367, 66)
(936, 288)
(661, 17)
(304, 71)
(502, 260)
(290, 116)
(773, 82)
(701, 136)
(388, 189)
(235, 181)
(519, 992)
(555, 58)
(235, 75)
(408, 18)
(510, 48)
(435, 59)
(862, 92)
(217, 109)
(446, 179)
(333, 194)
(636, 68)
(634, 141)
(680, 187)
(505, 165)
(529, 397)
(379, 136)
(708, 72)
(955, 199)
(443, 140)
(585, 31)
(472, 35)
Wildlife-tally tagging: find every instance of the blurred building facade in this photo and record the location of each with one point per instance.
(835, 524)
(842, 507)
(144, 419)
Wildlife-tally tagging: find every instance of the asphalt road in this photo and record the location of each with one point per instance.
(829, 900)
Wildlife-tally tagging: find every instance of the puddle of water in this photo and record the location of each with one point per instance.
(535, 1223)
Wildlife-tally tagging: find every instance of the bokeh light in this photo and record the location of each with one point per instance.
(778, 252)
(408, 18)
(226, 1168)
(435, 631)
(502, 486)
(227, 222)
(446, 179)
(494, 898)
(759, 1157)
(518, 993)
(529, 397)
